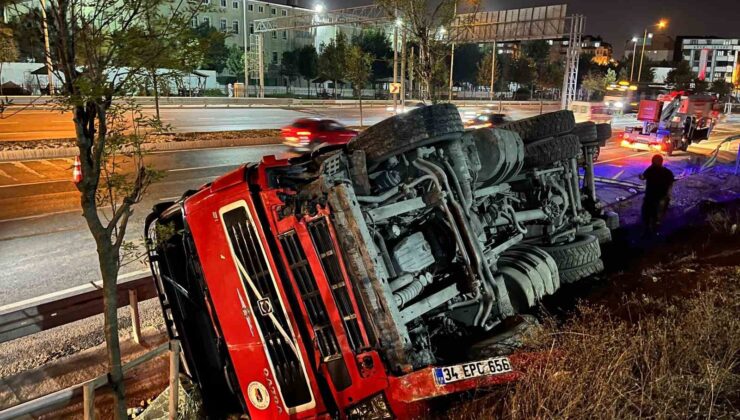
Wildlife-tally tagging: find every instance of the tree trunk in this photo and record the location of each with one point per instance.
(156, 92)
(360, 108)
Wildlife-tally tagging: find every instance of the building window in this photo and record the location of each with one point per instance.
(274, 57)
(284, 12)
(206, 1)
(207, 21)
(285, 34)
(250, 7)
(235, 4)
(273, 11)
(251, 28)
(235, 26)
(223, 3)
(261, 9)
(222, 25)
(194, 22)
(274, 35)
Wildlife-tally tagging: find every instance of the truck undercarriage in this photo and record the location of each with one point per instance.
(361, 282)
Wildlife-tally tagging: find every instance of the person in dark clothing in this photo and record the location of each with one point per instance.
(658, 183)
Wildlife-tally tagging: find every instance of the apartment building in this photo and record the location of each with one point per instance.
(712, 58)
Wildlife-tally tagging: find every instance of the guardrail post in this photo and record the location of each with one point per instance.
(133, 302)
(88, 401)
(500, 106)
(174, 377)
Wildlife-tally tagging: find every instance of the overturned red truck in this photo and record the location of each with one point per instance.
(364, 281)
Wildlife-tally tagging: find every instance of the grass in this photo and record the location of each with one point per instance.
(667, 357)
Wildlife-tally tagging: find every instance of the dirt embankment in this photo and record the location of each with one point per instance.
(657, 336)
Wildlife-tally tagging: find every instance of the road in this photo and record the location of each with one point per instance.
(45, 245)
(44, 124)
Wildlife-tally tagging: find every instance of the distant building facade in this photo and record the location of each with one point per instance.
(713, 58)
(658, 47)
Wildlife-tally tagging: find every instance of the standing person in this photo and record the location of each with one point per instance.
(658, 183)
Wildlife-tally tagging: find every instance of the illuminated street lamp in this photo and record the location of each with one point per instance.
(662, 24)
(319, 8)
(634, 53)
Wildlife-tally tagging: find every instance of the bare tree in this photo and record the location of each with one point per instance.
(100, 50)
(358, 70)
(433, 25)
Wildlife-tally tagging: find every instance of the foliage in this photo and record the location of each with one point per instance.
(289, 65)
(332, 60)
(550, 76)
(680, 77)
(523, 71)
(595, 85)
(483, 76)
(467, 57)
(26, 27)
(537, 51)
(358, 71)
(235, 62)
(308, 63)
(8, 46)
(378, 44)
(721, 88)
(700, 86)
(212, 43)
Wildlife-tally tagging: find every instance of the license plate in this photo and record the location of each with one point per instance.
(492, 366)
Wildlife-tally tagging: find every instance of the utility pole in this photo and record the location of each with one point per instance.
(634, 53)
(642, 54)
(261, 60)
(47, 50)
(493, 69)
(395, 66)
(411, 73)
(246, 49)
(452, 59)
(403, 69)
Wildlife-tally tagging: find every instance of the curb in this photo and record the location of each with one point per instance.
(64, 152)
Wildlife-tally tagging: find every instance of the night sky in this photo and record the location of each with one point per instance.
(618, 20)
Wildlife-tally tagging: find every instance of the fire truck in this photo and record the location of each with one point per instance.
(672, 122)
(363, 281)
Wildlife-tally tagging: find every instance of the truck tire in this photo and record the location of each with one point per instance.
(552, 124)
(603, 133)
(574, 274)
(401, 133)
(506, 341)
(586, 132)
(582, 251)
(546, 151)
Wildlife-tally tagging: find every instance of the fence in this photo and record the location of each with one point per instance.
(45, 312)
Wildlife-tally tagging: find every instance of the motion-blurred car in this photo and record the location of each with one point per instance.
(486, 120)
(307, 134)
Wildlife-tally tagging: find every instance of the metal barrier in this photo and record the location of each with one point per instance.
(42, 313)
(87, 389)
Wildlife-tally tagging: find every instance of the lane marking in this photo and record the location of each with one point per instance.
(23, 167)
(28, 184)
(201, 167)
(618, 174)
(5, 174)
(177, 197)
(622, 157)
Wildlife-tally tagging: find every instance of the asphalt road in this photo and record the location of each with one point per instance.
(45, 124)
(45, 245)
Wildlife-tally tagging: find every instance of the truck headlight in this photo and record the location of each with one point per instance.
(618, 104)
(373, 408)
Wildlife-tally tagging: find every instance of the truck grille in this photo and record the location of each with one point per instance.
(319, 231)
(265, 301)
(317, 316)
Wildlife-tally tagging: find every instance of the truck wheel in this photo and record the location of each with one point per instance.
(552, 124)
(401, 133)
(546, 151)
(603, 133)
(574, 274)
(586, 132)
(582, 251)
(507, 341)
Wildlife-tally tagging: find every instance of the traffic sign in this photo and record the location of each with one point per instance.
(394, 88)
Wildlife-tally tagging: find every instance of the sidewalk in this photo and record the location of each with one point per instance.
(144, 382)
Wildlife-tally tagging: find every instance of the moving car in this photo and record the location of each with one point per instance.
(363, 282)
(307, 134)
(486, 120)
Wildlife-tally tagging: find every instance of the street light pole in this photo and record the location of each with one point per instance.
(634, 52)
(246, 48)
(47, 50)
(642, 54)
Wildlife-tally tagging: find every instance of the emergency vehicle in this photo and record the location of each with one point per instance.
(672, 122)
